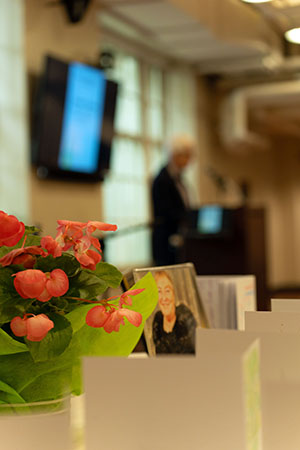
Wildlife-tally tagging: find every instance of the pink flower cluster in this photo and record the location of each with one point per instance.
(78, 236)
(111, 317)
(42, 286)
(35, 328)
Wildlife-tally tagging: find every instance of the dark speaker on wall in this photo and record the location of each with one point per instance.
(76, 9)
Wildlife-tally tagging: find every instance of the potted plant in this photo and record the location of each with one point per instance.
(52, 312)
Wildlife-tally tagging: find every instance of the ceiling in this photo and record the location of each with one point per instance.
(218, 36)
(227, 38)
(284, 13)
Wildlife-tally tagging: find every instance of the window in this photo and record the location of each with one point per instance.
(13, 124)
(138, 153)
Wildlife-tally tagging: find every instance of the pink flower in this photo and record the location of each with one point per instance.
(57, 284)
(93, 226)
(64, 224)
(116, 319)
(125, 297)
(26, 260)
(52, 246)
(24, 256)
(98, 317)
(102, 226)
(87, 258)
(72, 234)
(11, 229)
(111, 320)
(68, 232)
(42, 286)
(35, 328)
(30, 283)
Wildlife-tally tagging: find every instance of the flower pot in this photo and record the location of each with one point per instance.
(36, 426)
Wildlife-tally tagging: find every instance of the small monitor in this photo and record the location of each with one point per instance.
(210, 219)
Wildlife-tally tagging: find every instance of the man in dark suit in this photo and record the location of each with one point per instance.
(170, 202)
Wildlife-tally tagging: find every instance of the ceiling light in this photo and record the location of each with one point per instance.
(293, 35)
(256, 1)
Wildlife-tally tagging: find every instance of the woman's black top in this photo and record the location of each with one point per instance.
(181, 339)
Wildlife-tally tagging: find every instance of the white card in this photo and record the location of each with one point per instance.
(231, 347)
(285, 304)
(172, 402)
(226, 298)
(276, 322)
(280, 377)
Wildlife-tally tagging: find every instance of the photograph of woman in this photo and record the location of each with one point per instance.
(171, 327)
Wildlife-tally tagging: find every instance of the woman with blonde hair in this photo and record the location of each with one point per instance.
(173, 327)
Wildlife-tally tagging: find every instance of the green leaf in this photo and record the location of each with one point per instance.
(22, 373)
(77, 316)
(9, 395)
(4, 250)
(11, 304)
(77, 382)
(108, 273)
(6, 283)
(86, 285)
(56, 341)
(67, 262)
(96, 342)
(31, 230)
(12, 308)
(31, 239)
(59, 304)
(53, 384)
(8, 345)
(18, 369)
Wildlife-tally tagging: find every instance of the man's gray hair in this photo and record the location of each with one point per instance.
(182, 143)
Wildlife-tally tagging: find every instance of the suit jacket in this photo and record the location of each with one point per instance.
(169, 212)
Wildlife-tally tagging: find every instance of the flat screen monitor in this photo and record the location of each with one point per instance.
(73, 122)
(210, 219)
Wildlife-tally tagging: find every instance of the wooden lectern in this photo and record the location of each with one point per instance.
(237, 247)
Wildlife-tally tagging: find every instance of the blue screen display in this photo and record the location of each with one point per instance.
(82, 119)
(210, 219)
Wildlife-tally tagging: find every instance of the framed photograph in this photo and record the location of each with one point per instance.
(171, 327)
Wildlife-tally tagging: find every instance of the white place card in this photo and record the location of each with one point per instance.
(226, 298)
(276, 322)
(285, 304)
(280, 377)
(173, 402)
(243, 349)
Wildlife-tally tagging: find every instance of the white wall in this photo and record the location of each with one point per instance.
(49, 31)
(14, 157)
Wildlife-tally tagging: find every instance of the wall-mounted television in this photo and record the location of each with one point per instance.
(73, 121)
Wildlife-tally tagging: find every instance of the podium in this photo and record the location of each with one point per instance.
(236, 247)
